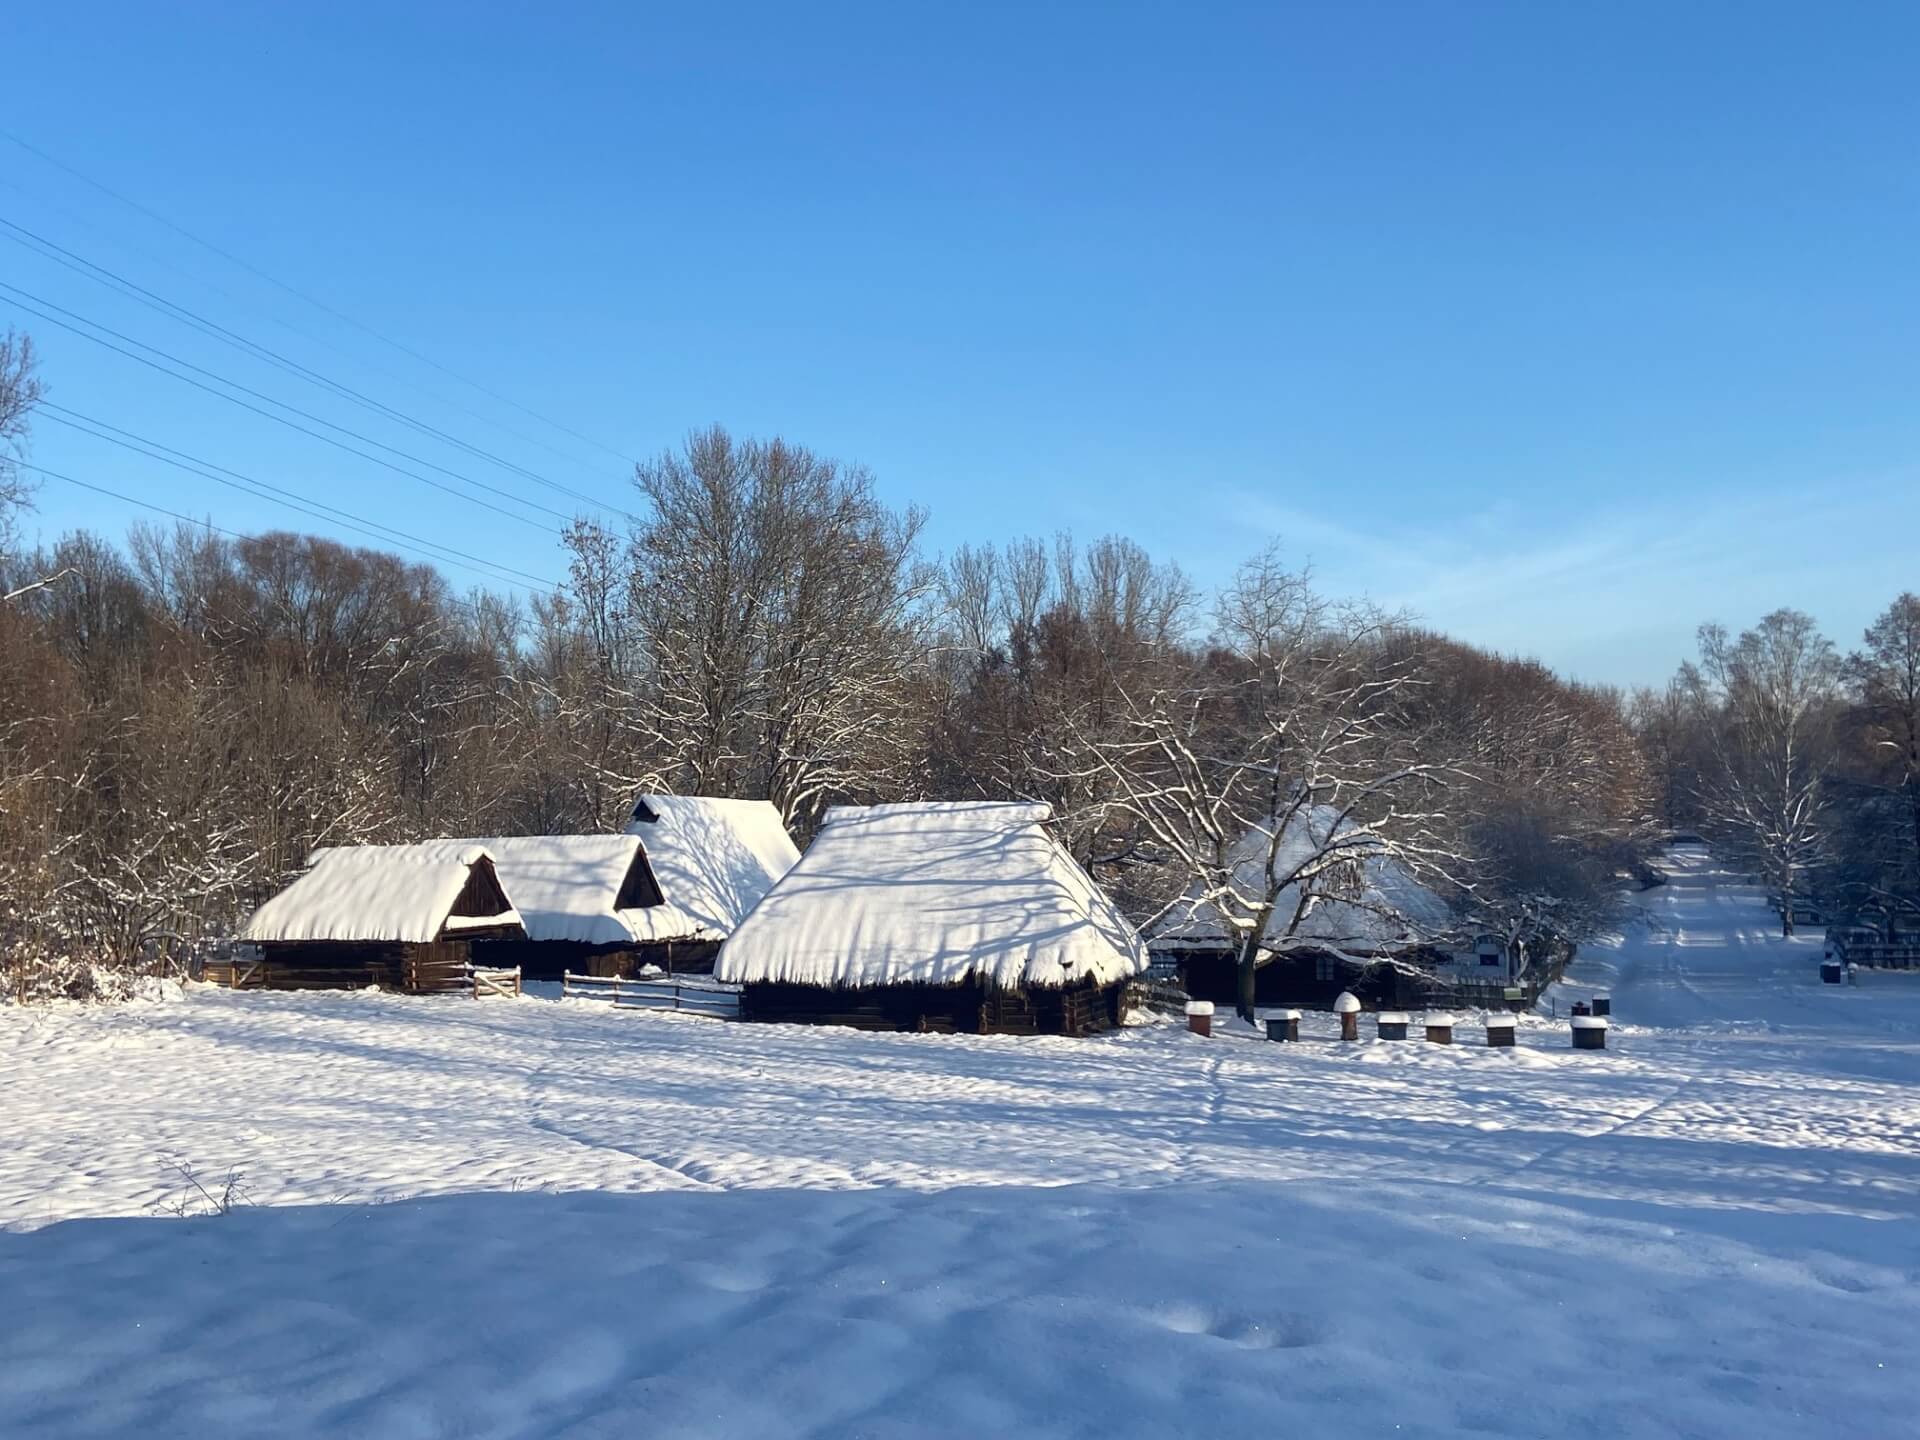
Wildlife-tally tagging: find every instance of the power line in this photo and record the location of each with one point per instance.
(172, 514)
(281, 419)
(413, 383)
(47, 249)
(193, 464)
(320, 305)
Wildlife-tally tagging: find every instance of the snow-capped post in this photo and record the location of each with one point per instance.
(1391, 1025)
(1200, 1016)
(1500, 1030)
(1347, 1007)
(1440, 1029)
(1284, 1026)
(1830, 972)
(1590, 1032)
(1603, 1005)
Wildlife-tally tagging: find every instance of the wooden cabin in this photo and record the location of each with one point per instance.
(964, 917)
(662, 896)
(1370, 926)
(404, 917)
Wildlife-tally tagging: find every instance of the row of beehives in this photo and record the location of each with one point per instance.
(1589, 1029)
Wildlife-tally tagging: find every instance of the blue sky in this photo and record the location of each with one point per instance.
(1565, 326)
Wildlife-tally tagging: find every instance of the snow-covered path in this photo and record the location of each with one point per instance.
(1709, 953)
(534, 1218)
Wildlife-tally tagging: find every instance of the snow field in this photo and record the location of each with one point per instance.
(526, 1218)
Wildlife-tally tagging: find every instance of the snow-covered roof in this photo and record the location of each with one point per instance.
(568, 887)
(933, 894)
(374, 893)
(714, 861)
(1390, 909)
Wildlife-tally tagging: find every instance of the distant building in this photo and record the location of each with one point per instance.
(412, 917)
(1373, 929)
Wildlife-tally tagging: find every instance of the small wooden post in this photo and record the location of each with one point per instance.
(1347, 1007)
(1500, 1030)
(1830, 971)
(1391, 1025)
(1200, 1016)
(1440, 1029)
(1284, 1026)
(1590, 1032)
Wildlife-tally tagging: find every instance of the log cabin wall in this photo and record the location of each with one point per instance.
(418, 969)
(970, 1008)
(549, 959)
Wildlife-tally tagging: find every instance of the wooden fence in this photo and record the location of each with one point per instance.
(493, 981)
(432, 976)
(1158, 994)
(692, 996)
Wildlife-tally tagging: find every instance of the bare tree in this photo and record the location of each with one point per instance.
(1766, 702)
(20, 390)
(1276, 767)
(1879, 823)
(773, 606)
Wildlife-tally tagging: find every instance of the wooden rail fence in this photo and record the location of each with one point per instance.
(490, 980)
(692, 996)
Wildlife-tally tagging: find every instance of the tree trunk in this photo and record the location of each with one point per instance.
(1247, 970)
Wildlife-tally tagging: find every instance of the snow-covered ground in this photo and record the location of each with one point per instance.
(532, 1218)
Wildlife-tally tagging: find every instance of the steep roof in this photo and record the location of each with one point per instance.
(933, 894)
(375, 893)
(714, 861)
(1390, 909)
(569, 887)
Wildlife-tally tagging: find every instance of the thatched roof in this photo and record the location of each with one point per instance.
(691, 871)
(934, 894)
(574, 887)
(689, 867)
(1385, 909)
(371, 893)
(714, 860)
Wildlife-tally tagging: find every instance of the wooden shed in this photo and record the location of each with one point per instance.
(401, 916)
(951, 917)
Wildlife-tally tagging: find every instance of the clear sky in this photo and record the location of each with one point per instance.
(1567, 326)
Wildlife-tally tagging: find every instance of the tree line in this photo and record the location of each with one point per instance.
(184, 716)
(1799, 761)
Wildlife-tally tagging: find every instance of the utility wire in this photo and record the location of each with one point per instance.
(181, 460)
(413, 383)
(47, 249)
(281, 419)
(176, 515)
(320, 305)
